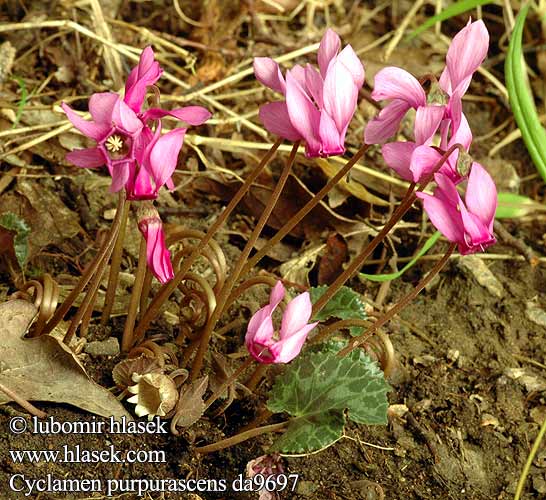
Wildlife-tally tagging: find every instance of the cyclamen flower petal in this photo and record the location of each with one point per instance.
(319, 104)
(469, 225)
(87, 158)
(158, 256)
(260, 337)
(93, 130)
(275, 117)
(466, 53)
(192, 115)
(398, 156)
(386, 123)
(163, 156)
(397, 83)
(146, 73)
(137, 159)
(328, 49)
(267, 72)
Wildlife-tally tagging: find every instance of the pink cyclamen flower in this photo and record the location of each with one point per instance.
(469, 224)
(138, 159)
(442, 110)
(268, 346)
(318, 105)
(158, 256)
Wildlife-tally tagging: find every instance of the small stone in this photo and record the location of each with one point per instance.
(398, 410)
(453, 355)
(536, 314)
(538, 414)
(539, 484)
(476, 267)
(109, 214)
(367, 490)
(108, 347)
(488, 419)
(531, 382)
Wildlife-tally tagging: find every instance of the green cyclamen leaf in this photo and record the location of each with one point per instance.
(12, 222)
(392, 276)
(521, 98)
(453, 10)
(317, 388)
(345, 304)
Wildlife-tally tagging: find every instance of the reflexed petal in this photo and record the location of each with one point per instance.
(481, 195)
(340, 94)
(276, 120)
(291, 346)
(444, 217)
(314, 84)
(257, 319)
(447, 190)
(158, 256)
(277, 294)
(146, 73)
(351, 61)
(328, 49)
(386, 123)
(192, 115)
(268, 73)
(86, 158)
(264, 332)
(296, 315)
(120, 173)
(332, 143)
(164, 155)
(397, 155)
(143, 188)
(477, 236)
(462, 134)
(427, 121)
(423, 161)
(101, 107)
(126, 119)
(304, 116)
(396, 83)
(96, 131)
(467, 51)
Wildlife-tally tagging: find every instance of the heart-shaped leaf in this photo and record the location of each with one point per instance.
(318, 388)
(345, 304)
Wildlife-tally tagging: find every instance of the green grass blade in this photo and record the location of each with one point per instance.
(511, 206)
(392, 276)
(521, 98)
(453, 10)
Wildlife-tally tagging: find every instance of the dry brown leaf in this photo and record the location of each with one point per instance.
(191, 401)
(352, 187)
(331, 263)
(297, 270)
(44, 369)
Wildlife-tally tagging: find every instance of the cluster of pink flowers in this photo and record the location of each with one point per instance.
(470, 225)
(129, 142)
(315, 101)
(317, 108)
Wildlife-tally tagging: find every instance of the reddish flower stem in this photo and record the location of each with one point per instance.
(236, 272)
(358, 341)
(168, 289)
(358, 261)
(298, 216)
(90, 271)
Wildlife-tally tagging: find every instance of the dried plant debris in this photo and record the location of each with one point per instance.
(44, 369)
